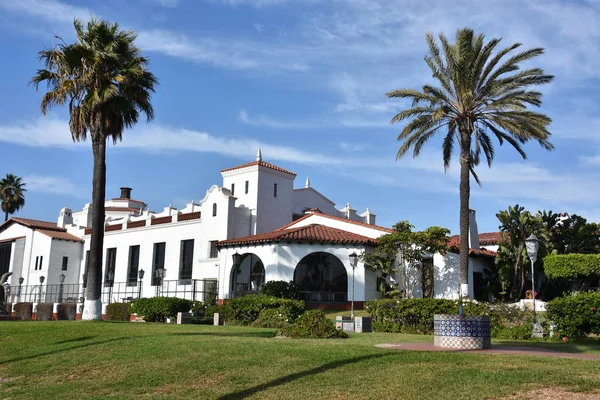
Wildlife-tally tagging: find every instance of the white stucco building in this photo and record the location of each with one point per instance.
(255, 217)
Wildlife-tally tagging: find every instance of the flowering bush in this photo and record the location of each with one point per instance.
(530, 294)
(576, 315)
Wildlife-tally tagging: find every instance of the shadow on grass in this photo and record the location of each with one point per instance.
(575, 346)
(225, 334)
(63, 350)
(79, 339)
(289, 378)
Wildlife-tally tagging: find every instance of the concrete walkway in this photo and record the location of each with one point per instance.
(498, 349)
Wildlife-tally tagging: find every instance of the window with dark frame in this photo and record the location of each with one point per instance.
(132, 268)
(274, 190)
(186, 260)
(214, 209)
(233, 189)
(41, 261)
(214, 251)
(65, 263)
(37, 261)
(158, 260)
(109, 271)
(247, 186)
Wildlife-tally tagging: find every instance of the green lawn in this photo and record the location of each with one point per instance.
(44, 360)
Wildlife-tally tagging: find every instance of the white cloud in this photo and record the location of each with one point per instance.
(47, 9)
(267, 122)
(52, 185)
(354, 147)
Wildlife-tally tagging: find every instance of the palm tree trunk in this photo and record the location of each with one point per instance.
(93, 304)
(5, 216)
(465, 193)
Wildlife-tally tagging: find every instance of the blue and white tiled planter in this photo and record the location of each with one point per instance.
(462, 332)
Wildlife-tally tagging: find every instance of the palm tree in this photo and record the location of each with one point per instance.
(480, 95)
(105, 82)
(12, 194)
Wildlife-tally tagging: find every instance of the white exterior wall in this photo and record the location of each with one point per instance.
(60, 249)
(12, 232)
(447, 274)
(274, 212)
(41, 246)
(280, 261)
(310, 198)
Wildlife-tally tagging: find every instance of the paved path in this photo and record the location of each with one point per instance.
(497, 349)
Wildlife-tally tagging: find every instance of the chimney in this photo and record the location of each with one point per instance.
(473, 231)
(65, 217)
(125, 193)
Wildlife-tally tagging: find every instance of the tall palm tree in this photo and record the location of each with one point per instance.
(12, 194)
(104, 80)
(478, 95)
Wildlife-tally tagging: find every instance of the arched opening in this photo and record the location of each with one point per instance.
(321, 278)
(248, 277)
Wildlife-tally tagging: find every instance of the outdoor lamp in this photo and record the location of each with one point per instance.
(111, 276)
(237, 259)
(532, 243)
(42, 279)
(353, 260)
(141, 273)
(61, 278)
(21, 280)
(353, 263)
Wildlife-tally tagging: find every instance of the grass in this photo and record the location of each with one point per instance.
(97, 360)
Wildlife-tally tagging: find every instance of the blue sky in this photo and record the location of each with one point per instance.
(305, 80)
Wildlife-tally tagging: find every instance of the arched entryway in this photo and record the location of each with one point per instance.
(321, 278)
(248, 277)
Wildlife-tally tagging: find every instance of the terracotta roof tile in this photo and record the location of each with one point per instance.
(60, 235)
(380, 228)
(36, 224)
(310, 233)
(261, 164)
(488, 238)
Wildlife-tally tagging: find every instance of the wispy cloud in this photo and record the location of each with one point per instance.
(47, 9)
(265, 121)
(52, 185)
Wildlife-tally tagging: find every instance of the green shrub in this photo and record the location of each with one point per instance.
(118, 312)
(416, 315)
(575, 315)
(211, 294)
(571, 266)
(202, 320)
(24, 311)
(44, 311)
(281, 289)
(158, 309)
(518, 332)
(245, 310)
(66, 311)
(313, 324)
(274, 318)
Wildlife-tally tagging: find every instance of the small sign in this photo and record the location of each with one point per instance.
(348, 326)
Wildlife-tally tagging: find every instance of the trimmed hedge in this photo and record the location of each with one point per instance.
(281, 289)
(66, 311)
(313, 324)
(416, 315)
(44, 311)
(117, 312)
(571, 266)
(158, 309)
(575, 315)
(24, 311)
(245, 310)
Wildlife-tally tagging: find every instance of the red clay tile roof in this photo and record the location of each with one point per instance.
(262, 164)
(310, 233)
(123, 209)
(36, 224)
(380, 228)
(474, 252)
(488, 238)
(60, 235)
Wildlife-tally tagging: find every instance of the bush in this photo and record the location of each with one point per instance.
(24, 311)
(118, 312)
(575, 315)
(313, 324)
(66, 311)
(198, 309)
(281, 289)
(416, 315)
(519, 332)
(274, 318)
(158, 309)
(571, 266)
(44, 311)
(245, 310)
